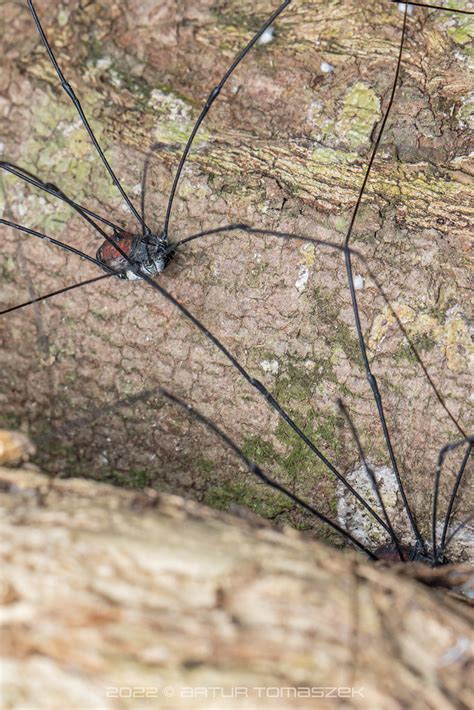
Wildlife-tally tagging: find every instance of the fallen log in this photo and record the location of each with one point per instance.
(116, 599)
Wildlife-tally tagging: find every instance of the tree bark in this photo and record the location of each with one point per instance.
(284, 147)
(111, 596)
(106, 588)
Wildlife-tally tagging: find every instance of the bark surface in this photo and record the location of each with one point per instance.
(119, 599)
(285, 147)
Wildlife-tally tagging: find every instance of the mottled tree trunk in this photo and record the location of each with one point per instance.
(284, 147)
(110, 596)
(111, 589)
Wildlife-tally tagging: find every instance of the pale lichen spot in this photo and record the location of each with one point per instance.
(386, 322)
(331, 156)
(465, 114)
(357, 520)
(315, 110)
(173, 119)
(309, 254)
(321, 122)
(460, 28)
(452, 334)
(63, 17)
(270, 366)
(103, 63)
(175, 108)
(22, 209)
(302, 280)
(401, 7)
(266, 36)
(458, 346)
(326, 68)
(363, 526)
(341, 223)
(359, 113)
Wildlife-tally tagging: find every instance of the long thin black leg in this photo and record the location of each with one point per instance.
(255, 383)
(460, 527)
(66, 247)
(378, 400)
(146, 165)
(257, 471)
(210, 100)
(347, 252)
(70, 92)
(56, 242)
(371, 474)
(434, 514)
(433, 7)
(263, 391)
(85, 215)
(452, 499)
(53, 190)
(93, 415)
(379, 137)
(331, 245)
(55, 293)
(355, 307)
(252, 381)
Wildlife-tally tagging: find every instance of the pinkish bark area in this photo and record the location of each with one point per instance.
(285, 147)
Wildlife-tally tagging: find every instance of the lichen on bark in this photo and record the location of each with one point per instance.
(282, 148)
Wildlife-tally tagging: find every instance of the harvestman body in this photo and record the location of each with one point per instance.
(150, 255)
(132, 256)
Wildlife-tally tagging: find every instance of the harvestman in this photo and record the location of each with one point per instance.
(143, 254)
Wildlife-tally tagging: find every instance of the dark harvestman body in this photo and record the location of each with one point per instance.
(144, 254)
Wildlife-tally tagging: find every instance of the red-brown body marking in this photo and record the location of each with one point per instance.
(150, 254)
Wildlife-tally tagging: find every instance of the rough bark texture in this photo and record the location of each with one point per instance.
(285, 147)
(112, 596)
